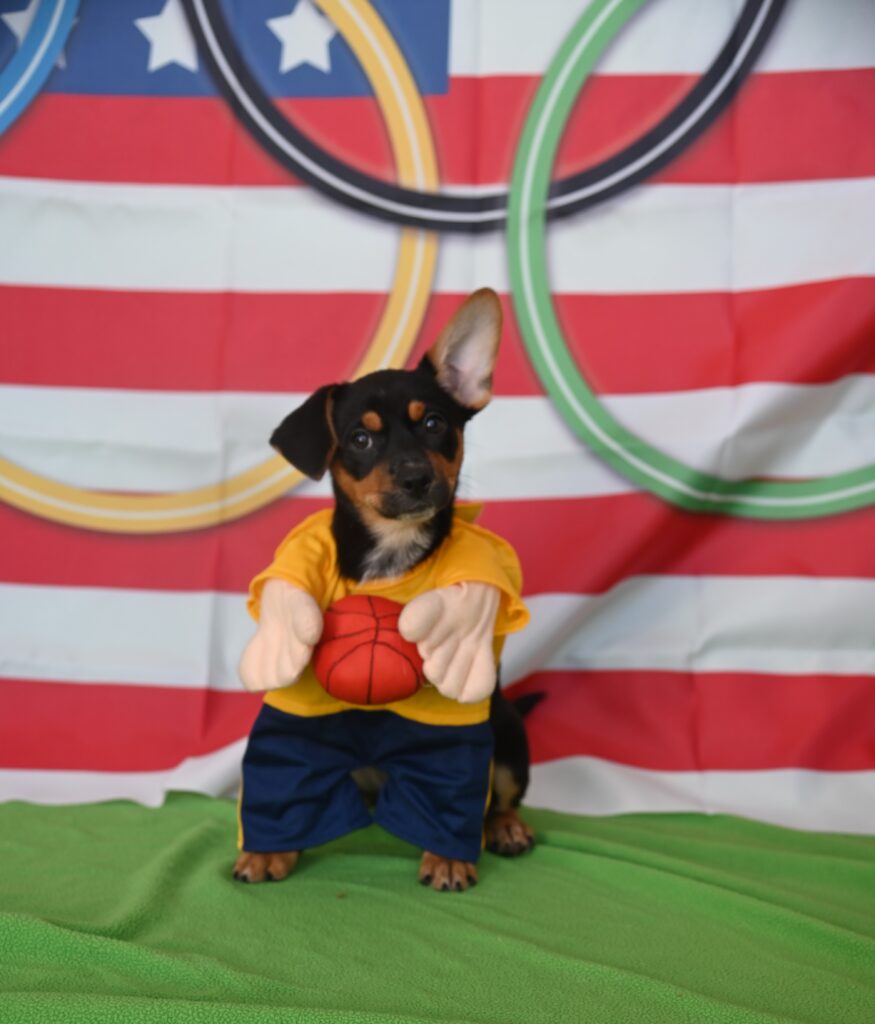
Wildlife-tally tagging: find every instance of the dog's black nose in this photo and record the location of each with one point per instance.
(413, 477)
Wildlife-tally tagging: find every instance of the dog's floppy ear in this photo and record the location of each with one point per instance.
(463, 357)
(306, 437)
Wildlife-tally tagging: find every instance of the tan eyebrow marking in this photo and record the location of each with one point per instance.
(372, 420)
(416, 410)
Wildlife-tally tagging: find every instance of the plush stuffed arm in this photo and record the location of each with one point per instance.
(290, 623)
(453, 629)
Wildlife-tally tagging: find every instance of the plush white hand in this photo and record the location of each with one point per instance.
(453, 629)
(289, 625)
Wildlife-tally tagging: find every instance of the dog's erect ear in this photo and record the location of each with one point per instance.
(463, 357)
(306, 437)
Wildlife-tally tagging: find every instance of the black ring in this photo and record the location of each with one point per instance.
(482, 211)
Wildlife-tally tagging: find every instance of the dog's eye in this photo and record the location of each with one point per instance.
(361, 440)
(434, 423)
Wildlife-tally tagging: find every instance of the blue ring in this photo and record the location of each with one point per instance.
(25, 74)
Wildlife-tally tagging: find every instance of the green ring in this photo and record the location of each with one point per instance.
(630, 455)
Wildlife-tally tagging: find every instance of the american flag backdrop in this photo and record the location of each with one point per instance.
(170, 288)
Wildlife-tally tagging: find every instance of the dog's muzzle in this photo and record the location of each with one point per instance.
(417, 490)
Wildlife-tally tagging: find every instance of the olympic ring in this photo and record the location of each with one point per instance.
(476, 211)
(402, 317)
(634, 458)
(24, 75)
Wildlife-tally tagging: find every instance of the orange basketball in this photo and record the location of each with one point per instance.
(362, 658)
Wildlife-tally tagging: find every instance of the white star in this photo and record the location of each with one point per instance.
(18, 22)
(305, 36)
(170, 39)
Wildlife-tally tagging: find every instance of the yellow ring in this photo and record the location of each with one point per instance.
(413, 150)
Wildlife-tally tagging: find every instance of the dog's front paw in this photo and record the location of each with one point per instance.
(265, 867)
(446, 875)
(508, 835)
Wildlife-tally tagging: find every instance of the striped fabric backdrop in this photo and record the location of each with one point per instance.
(168, 291)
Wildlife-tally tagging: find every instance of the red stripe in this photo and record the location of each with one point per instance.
(783, 126)
(806, 334)
(602, 542)
(656, 720)
(183, 341)
(715, 721)
(90, 727)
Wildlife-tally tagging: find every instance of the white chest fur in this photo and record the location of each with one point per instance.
(399, 544)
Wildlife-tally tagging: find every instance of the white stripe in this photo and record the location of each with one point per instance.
(512, 37)
(772, 624)
(216, 774)
(517, 448)
(781, 625)
(796, 798)
(793, 797)
(135, 441)
(129, 637)
(684, 238)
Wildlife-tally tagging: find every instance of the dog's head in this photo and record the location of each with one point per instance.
(392, 440)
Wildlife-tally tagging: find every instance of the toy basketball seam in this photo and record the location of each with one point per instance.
(341, 660)
(382, 615)
(334, 611)
(371, 672)
(346, 636)
(401, 654)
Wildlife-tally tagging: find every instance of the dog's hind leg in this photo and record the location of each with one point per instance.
(506, 832)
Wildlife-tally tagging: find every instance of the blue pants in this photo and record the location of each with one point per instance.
(298, 793)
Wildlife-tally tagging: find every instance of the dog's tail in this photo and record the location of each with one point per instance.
(528, 702)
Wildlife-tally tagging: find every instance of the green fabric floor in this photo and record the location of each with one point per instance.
(116, 913)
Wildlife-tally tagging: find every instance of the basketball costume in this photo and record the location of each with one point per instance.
(436, 752)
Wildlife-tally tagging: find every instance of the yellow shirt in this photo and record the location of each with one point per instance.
(307, 558)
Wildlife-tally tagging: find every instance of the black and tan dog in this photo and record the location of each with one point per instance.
(393, 444)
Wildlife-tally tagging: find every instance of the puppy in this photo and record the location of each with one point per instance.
(393, 443)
